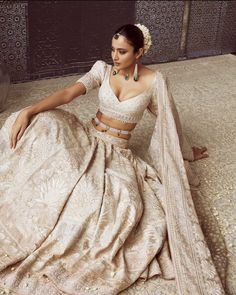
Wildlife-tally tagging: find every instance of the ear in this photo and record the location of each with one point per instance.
(139, 53)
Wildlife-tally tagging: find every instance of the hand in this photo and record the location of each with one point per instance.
(198, 153)
(19, 126)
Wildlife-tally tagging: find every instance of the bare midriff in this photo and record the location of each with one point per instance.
(114, 124)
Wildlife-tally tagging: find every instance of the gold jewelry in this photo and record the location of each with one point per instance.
(126, 77)
(115, 72)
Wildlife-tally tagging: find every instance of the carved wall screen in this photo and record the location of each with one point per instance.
(13, 38)
(203, 36)
(164, 20)
(228, 41)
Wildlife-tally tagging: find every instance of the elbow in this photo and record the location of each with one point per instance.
(73, 91)
(67, 95)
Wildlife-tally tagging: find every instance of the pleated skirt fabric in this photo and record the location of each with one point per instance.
(79, 212)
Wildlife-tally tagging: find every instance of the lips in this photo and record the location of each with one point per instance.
(116, 64)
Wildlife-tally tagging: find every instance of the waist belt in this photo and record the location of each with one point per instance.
(119, 131)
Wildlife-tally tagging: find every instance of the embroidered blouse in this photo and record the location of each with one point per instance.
(130, 110)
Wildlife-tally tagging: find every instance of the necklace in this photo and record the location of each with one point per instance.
(126, 77)
(136, 75)
(115, 72)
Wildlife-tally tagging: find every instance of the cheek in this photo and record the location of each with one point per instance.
(129, 57)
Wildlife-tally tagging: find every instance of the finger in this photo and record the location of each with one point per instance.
(13, 131)
(204, 149)
(205, 155)
(14, 139)
(13, 142)
(20, 134)
(15, 135)
(11, 139)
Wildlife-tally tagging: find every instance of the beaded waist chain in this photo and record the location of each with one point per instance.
(118, 131)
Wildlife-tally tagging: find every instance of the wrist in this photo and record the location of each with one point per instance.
(29, 111)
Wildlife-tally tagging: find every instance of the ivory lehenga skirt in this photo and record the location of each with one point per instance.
(79, 212)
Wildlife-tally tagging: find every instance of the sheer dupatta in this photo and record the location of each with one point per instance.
(168, 152)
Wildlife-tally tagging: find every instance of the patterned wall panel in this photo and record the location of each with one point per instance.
(52, 38)
(164, 20)
(13, 39)
(228, 40)
(70, 35)
(203, 30)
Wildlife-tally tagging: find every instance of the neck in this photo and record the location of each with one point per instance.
(128, 71)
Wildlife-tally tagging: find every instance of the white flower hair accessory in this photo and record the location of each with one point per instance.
(147, 37)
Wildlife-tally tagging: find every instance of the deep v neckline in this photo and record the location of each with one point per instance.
(131, 98)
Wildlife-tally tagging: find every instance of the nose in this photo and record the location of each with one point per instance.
(115, 55)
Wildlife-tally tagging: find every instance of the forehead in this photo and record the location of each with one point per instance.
(121, 42)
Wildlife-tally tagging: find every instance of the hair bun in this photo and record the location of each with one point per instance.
(147, 37)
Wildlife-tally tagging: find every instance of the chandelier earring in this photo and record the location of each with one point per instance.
(136, 72)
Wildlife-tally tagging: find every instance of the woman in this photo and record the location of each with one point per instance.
(80, 213)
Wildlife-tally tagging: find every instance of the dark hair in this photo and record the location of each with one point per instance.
(133, 34)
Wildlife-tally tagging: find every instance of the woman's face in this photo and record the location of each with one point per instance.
(122, 53)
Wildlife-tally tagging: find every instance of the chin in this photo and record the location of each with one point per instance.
(116, 65)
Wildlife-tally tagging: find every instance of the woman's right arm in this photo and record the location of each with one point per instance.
(90, 80)
(58, 98)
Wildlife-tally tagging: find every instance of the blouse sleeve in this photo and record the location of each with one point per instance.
(94, 77)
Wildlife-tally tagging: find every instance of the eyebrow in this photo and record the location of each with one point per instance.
(119, 48)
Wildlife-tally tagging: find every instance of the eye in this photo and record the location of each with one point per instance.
(122, 52)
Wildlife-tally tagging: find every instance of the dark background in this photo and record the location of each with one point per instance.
(40, 39)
